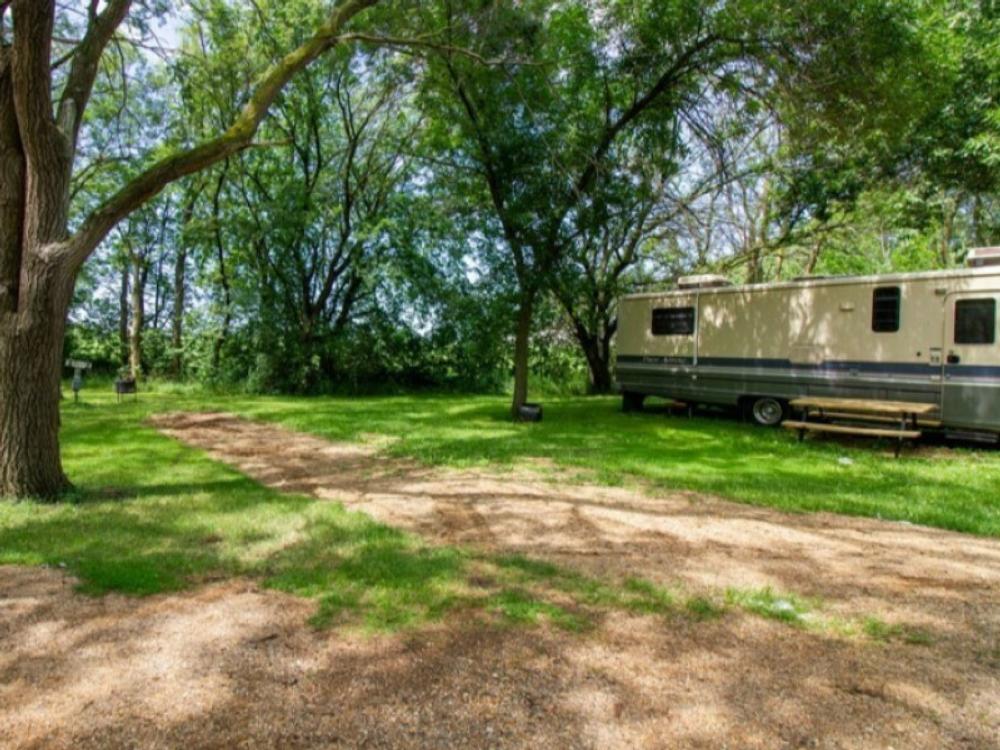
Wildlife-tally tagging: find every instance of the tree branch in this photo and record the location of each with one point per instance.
(669, 78)
(400, 42)
(83, 72)
(30, 53)
(148, 184)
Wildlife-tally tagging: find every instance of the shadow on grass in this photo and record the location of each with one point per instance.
(150, 515)
(155, 516)
(357, 568)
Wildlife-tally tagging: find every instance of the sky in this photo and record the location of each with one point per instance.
(168, 31)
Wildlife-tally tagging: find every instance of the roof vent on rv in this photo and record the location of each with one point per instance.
(983, 256)
(703, 281)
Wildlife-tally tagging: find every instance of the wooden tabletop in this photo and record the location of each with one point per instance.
(863, 405)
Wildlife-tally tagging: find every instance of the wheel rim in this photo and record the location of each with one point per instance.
(767, 411)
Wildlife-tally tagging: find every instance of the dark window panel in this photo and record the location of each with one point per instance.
(885, 309)
(673, 321)
(976, 321)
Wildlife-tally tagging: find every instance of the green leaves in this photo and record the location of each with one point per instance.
(572, 147)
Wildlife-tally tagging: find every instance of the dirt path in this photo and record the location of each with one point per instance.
(917, 574)
(230, 665)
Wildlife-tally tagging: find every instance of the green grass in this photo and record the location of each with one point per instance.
(151, 515)
(703, 608)
(592, 438)
(879, 630)
(521, 607)
(773, 605)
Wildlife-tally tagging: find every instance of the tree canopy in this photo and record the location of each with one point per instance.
(311, 195)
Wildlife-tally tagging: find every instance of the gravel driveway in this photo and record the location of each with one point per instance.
(230, 665)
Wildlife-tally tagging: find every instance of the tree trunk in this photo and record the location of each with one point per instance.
(814, 254)
(31, 350)
(227, 319)
(599, 367)
(180, 292)
(522, 339)
(978, 233)
(39, 258)
(753, 265)
(596, 349)
(12, 179)
(123, 313)
(948, 211)
(180, 283)
(159, 297)
(35, 290)
(139, 276)
(220, 252)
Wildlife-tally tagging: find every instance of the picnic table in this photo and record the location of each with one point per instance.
(907, 416)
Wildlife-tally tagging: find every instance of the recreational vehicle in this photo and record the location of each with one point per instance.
(929, 338)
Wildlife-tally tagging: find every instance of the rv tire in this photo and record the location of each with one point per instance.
(632, 401)
(767, 411)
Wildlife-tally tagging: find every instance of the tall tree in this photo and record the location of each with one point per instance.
(124, 301)
(601, 82)
(618, 242)
(43, 102)
(141, 237)
(317, 213)
(191, 194)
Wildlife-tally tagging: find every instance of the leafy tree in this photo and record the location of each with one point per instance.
(143, 236)
(43, 103)
(632, 233)
(538, 140)
(318, 213)
(904, 185)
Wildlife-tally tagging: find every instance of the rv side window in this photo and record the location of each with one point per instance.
(885, 310)
(673, 321)
(975, 321)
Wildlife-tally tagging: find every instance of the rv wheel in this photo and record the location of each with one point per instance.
(767, 411)
(632, 401)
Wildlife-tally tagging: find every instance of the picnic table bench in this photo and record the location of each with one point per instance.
(905, 415)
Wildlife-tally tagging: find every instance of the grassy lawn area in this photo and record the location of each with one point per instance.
(714, 455)
(152, 515)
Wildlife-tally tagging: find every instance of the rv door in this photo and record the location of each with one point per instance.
(971, 362)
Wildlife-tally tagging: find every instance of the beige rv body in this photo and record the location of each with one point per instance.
(816, 337)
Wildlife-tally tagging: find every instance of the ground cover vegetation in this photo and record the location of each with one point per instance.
(339, 244)
(308, 197)
(712, 453)
(151, 515)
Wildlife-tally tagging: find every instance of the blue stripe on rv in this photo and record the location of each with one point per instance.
(889, 368)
